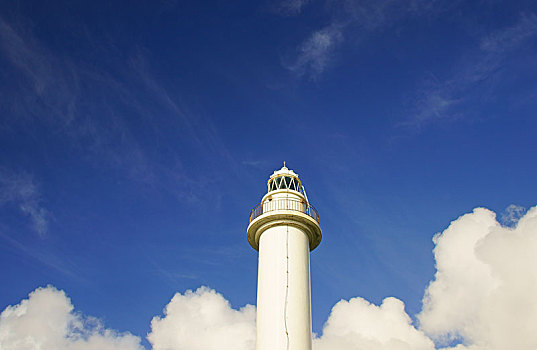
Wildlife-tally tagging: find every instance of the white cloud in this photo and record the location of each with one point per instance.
(316, 52)
(21, 190)
(370, 15)
(443, 99)
(485, 286)
(50, 91)
(356, 324)
(483, 296)
(44, 77)
(512, 214)
(356, 19)
(203, 320)
(46, 320)
(290, 7)
(511, 37)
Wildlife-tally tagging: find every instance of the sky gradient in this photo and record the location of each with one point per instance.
(136, 136)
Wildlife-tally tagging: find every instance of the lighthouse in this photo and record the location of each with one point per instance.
(284, 228)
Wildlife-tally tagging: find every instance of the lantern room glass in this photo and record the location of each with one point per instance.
(285, 183)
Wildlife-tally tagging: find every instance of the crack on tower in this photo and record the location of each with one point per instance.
(286, 286)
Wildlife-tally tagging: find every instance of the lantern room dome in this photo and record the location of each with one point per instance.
(285, 179)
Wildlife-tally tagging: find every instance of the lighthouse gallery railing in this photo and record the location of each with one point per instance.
(284, 204)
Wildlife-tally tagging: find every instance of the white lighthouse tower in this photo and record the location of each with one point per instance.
(284, 228)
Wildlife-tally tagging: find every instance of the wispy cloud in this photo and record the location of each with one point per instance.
(20, 189)
(289, 7)
(172, 276)
(434, 101)
(258, 164)
(43, 256)
(53, 82)
(371, 15)
(58, 93)
(512, 37)
(115, 113)
(357, 20)
(442, 100)
(316, 52)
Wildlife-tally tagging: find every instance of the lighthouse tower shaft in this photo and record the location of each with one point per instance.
(284, 227)
(283, 290)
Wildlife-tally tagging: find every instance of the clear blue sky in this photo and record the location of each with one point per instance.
(136, 136)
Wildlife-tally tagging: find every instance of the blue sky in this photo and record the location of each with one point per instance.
(135, 138)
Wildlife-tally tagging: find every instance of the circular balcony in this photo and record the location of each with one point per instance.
(284, 204)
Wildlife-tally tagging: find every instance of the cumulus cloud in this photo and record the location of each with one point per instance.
(203, 320)
(20, 189)
(482, 297)
(46, 320)
(356, 324)
(484, 289)
(512, 214)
